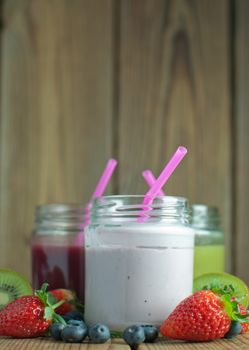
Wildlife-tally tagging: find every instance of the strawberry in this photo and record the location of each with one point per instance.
(205, 315)
(245, 326)
(69, 298)
(28, 316)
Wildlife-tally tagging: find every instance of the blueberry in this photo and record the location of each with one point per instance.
(77, 323)
(234, 330)
(56, 330)
(151, 333)
(73, 315)
(73, 334)
(134, 335)
(99, 333)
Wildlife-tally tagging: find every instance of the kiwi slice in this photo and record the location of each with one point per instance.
(12, 286)
(222, 279)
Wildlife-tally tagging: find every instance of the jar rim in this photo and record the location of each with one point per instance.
(59, 206)
(198, 208)
(60, 217)
(205, 216)
(139, 195)
(130, 208)
(172, 199)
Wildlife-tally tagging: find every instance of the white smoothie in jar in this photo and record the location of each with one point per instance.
(136, 273)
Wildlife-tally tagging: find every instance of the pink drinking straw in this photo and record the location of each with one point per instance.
(104, 179)
(150, 179)
(101, 185)
(165, 175)
(98, 192)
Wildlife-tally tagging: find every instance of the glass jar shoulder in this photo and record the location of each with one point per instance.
(209, 237)
(55, 238)
(133, 234)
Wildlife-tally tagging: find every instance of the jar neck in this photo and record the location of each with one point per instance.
(126, 209)
(59, 218)
(205, 217)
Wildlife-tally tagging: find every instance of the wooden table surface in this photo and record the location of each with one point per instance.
(241, 343)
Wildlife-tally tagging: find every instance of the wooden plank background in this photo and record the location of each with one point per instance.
(174, 89)
(56, 110)
(84, 80)
(241, 139)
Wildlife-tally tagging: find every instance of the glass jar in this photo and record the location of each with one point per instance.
(209, 240)
(58, 247)
(139, 260)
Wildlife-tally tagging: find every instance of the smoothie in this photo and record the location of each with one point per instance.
(57, 247)
(61, 266)
(209, 253)
(209, 258)
(137, 274)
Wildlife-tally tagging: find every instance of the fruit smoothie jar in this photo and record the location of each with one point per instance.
(209, 253)
(58, 248)
(139, 260)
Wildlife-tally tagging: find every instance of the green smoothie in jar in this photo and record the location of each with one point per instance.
(209, 255)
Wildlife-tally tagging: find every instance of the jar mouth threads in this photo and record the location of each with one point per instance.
(60, 209)
(205, 217)
(131, 207)
(61, 217)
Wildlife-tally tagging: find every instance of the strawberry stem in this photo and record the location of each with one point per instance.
(50, 303)
(54, 306)
(231, 304)
(59, 319)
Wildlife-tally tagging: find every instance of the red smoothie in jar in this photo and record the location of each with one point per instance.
(58, 248)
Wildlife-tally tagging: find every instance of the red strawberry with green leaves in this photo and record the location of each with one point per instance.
(29, 316)
(205, 315)
(71, 302)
